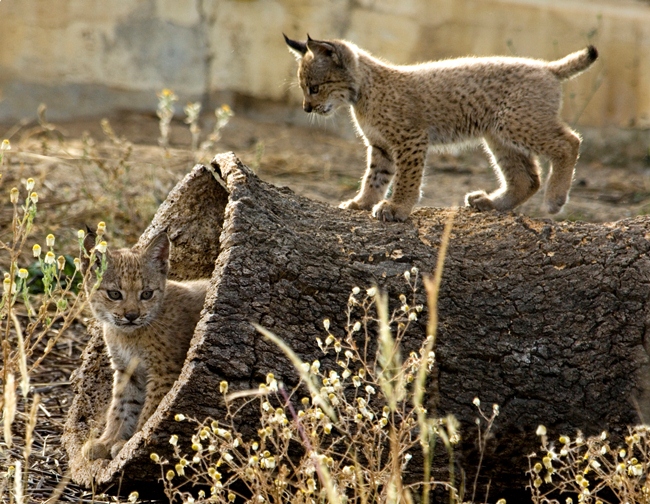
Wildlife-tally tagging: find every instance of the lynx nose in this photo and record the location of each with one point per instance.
(307, 107)
(131, 316)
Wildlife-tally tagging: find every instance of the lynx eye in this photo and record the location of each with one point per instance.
(146, 295)
(114, 295)
(313, 89)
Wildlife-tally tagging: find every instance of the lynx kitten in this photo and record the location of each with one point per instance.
(511, 103)
(148, 322)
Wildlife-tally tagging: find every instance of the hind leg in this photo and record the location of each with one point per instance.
(518, 173)
(562, 148)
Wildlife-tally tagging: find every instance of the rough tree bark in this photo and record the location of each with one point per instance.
(546, 319)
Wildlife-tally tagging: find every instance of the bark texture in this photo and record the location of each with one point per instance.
(548, 320)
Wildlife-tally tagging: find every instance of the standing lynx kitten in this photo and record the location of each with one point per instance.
(147, 322)
(511, 103)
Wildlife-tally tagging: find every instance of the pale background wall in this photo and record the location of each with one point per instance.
(85, 57)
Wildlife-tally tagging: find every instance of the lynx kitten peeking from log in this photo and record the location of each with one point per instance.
(512, 104)
(148, 322)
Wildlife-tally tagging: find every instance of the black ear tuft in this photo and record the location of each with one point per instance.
(89, 244)
(298, 48)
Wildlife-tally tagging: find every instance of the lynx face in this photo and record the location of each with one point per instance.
(132, 290)
(325, 75)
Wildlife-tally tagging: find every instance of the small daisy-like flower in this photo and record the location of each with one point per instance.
(77, 263)
(101, 228)
(7, 285)
(49, 240)
(173, 440)
(23, 273)
(170, 475)
(29, 184)
(476, 402)
(370, 389)
(5, 146)
(223, 387)
(36, 250)
(60, 261)
(355, 290)
(33, 197)
(179, 417)
(133, 496)
(407, 275)
(101, 247)
(81, 234)
(326, 324)
(356, 327)
(13, 195)
(371, 292)
(315, 366)
(541, 430)
(50, 258)
(154, 457)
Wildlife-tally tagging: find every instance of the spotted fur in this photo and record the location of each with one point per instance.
(511, 104)
(148, 322)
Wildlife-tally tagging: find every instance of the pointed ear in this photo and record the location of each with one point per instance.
(157, 252)
(322, 48)
(297, 48)
(89, 244)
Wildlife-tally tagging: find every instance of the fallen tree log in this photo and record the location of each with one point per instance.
(548, 320)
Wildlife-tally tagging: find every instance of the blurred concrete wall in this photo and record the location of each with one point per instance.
(84, 57)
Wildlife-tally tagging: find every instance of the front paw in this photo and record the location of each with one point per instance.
(117, 447)
(479, 200)
(358, 203)
(96, 449)
(387, 211)
(554, 205)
